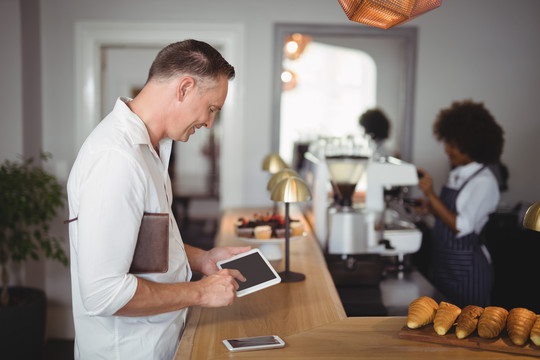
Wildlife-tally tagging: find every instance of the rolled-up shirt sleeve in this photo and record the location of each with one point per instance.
(112, 194)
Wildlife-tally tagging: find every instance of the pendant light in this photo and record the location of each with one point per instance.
(386, 13)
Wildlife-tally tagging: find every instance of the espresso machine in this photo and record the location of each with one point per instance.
(373, 224)
(393, 234)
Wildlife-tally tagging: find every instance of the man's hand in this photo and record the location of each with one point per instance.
(205, 261)
(219, 289)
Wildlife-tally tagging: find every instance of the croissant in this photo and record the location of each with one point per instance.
(445, 317)
(535, 331)
(468, 320)
(492, 321)
(519, 324)
(421, 312)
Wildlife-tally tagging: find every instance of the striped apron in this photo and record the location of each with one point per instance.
(462, 268)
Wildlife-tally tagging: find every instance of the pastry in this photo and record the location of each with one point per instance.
(297, 228)
(519, 324)
(421, 312)
(245, 226)
(535, 331)
(244, 232)
(262, 232)
(280, 233)
(492, 321)
(243, 229)
(445, 317)
(467, 321)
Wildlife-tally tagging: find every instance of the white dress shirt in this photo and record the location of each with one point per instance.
(477, 199)
(116, 177)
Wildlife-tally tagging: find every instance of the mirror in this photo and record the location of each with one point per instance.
(393, 53)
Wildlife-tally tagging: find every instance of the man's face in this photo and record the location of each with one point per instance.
(200, 108)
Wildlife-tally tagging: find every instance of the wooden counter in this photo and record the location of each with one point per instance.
(308, 315)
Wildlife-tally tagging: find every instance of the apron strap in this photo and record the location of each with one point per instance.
(470, 177)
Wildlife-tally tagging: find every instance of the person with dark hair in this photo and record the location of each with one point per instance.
(461, 263)
(377, 126)
(120, 177)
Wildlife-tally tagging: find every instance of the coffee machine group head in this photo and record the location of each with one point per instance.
(346, 224)
(345, 173)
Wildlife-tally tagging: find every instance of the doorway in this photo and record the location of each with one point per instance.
(95, 39)
(103, 74)
(394, 54)
(193, 166)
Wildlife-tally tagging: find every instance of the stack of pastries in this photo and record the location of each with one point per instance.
(521, 324)
(266, 226)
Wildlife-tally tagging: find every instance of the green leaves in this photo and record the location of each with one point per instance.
(29, 200)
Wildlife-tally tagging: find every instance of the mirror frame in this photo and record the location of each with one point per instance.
(408, 34)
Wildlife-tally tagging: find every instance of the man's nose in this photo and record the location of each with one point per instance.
(209, 123)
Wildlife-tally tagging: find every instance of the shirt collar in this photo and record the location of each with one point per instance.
(462, 173)
(139, 133)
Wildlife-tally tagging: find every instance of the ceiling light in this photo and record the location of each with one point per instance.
(386, 13)
(295, 45)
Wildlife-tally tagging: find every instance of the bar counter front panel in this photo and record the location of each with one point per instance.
(308, 315)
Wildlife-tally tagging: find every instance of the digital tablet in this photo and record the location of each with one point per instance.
(255, 268)
(254, 343)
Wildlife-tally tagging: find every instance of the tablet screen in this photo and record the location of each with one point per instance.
(255, 268)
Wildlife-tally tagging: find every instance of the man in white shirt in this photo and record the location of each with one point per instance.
(121, 173)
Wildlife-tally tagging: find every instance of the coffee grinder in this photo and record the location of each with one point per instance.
(346, 224)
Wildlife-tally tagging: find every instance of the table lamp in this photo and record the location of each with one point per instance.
(280, 175)
(273, 163)
(531, 220)
(277, 177)
(288, 190)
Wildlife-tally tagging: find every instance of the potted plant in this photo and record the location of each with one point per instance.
(29, 201)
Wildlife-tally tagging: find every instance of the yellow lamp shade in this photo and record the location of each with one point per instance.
(273, 163)
(532, 217)
(280, 175)
(291, 189)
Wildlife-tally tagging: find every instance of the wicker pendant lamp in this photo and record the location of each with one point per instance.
(386, 13)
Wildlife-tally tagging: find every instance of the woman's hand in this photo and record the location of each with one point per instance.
(437, 207)
(423, 207)
(425, 182)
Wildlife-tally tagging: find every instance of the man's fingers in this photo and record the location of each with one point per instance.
(238, 275)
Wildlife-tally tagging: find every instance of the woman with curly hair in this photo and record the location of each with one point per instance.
(461, 263)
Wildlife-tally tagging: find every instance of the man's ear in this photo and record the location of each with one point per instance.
(185, 85)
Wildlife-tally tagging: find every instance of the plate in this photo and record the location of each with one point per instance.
(271, 248)
(271, 240)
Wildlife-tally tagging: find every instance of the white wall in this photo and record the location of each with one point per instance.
(11, 138)
(465, 51)
(490, 55)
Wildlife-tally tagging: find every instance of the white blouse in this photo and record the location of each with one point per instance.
(477, 199)
(116, 177)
